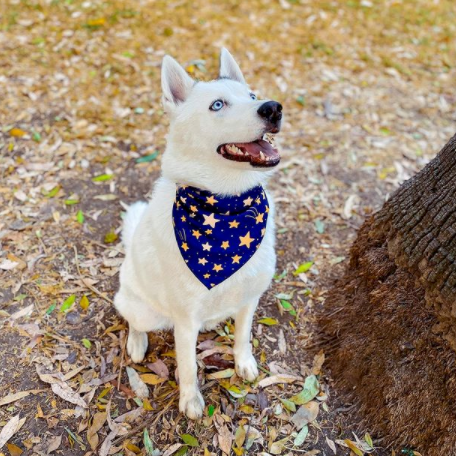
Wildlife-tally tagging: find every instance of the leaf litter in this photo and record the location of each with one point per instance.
(82, 129)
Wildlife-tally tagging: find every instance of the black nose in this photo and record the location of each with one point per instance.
(271, 111)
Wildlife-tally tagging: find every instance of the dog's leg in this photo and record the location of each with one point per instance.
(191, 401)
(136, 344)
(246, 365)
(141, 318)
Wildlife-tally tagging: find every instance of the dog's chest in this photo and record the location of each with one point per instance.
(171, 285)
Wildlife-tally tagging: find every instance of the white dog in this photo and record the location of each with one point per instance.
(174, 278)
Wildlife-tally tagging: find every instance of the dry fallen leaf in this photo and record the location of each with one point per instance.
(65, 392)
(331, 445)
(54, 444)
(159, 367)
(279, 378)
(172, 449)
(239, 436)
(22, 313)
(278, 446)
(16, 396)
(14, 450)
(305, 414)
(151, 379)
(98, 421)
(7, 265)
(10, 428)
(282, 343)
(225, 437)
(137, 385)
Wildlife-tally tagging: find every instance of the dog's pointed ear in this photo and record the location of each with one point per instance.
(229, 68)
(176, 83)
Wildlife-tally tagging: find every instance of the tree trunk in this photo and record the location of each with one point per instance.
(393, 314)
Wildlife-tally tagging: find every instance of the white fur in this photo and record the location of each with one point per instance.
(157, 290)
(131, 221)
(229, 67)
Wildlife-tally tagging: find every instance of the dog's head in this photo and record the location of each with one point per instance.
(219, 125)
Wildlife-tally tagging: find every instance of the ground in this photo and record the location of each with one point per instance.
(368, 93)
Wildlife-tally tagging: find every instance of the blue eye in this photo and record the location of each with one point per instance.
(253, 96)
(217, 105)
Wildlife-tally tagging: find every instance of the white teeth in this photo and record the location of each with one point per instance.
(262, 156)
(234, 150)
(269, 138)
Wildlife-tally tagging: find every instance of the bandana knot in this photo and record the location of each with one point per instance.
(217, 234)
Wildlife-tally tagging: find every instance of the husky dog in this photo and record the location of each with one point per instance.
(216, 152)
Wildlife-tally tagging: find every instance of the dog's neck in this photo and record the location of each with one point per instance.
(211, 174)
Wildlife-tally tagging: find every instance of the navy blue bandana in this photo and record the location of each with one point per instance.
(217, 235)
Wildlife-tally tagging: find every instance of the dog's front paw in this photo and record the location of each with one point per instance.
(192, 404)
(137, 345)
(246, 367)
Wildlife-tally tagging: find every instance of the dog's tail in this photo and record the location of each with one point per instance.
(131, 221)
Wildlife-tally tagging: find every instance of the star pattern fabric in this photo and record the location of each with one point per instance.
(217, 234)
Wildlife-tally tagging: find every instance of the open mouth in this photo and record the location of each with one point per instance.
(259, 153)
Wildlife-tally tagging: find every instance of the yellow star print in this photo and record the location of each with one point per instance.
(258, 201)
(246, 240)
(236, 259)
(259, 218)
(210, 220)
(206, 276)
(234, 224)
(193, 208)
(185, 246)
(208, 231)
(211, 200)
(196, 233)
(183, 218)
(217, 267)
(267, 209)
(207, 246)
(202, 261)
(225, 245)
(248, 201)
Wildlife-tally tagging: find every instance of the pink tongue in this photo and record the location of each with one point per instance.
(254, 148)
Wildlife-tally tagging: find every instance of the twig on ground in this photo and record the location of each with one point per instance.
(124, 344)
(90, 287)
(151, 421)
(295, 284)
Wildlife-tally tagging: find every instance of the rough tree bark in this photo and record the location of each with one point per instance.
(393, 314)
